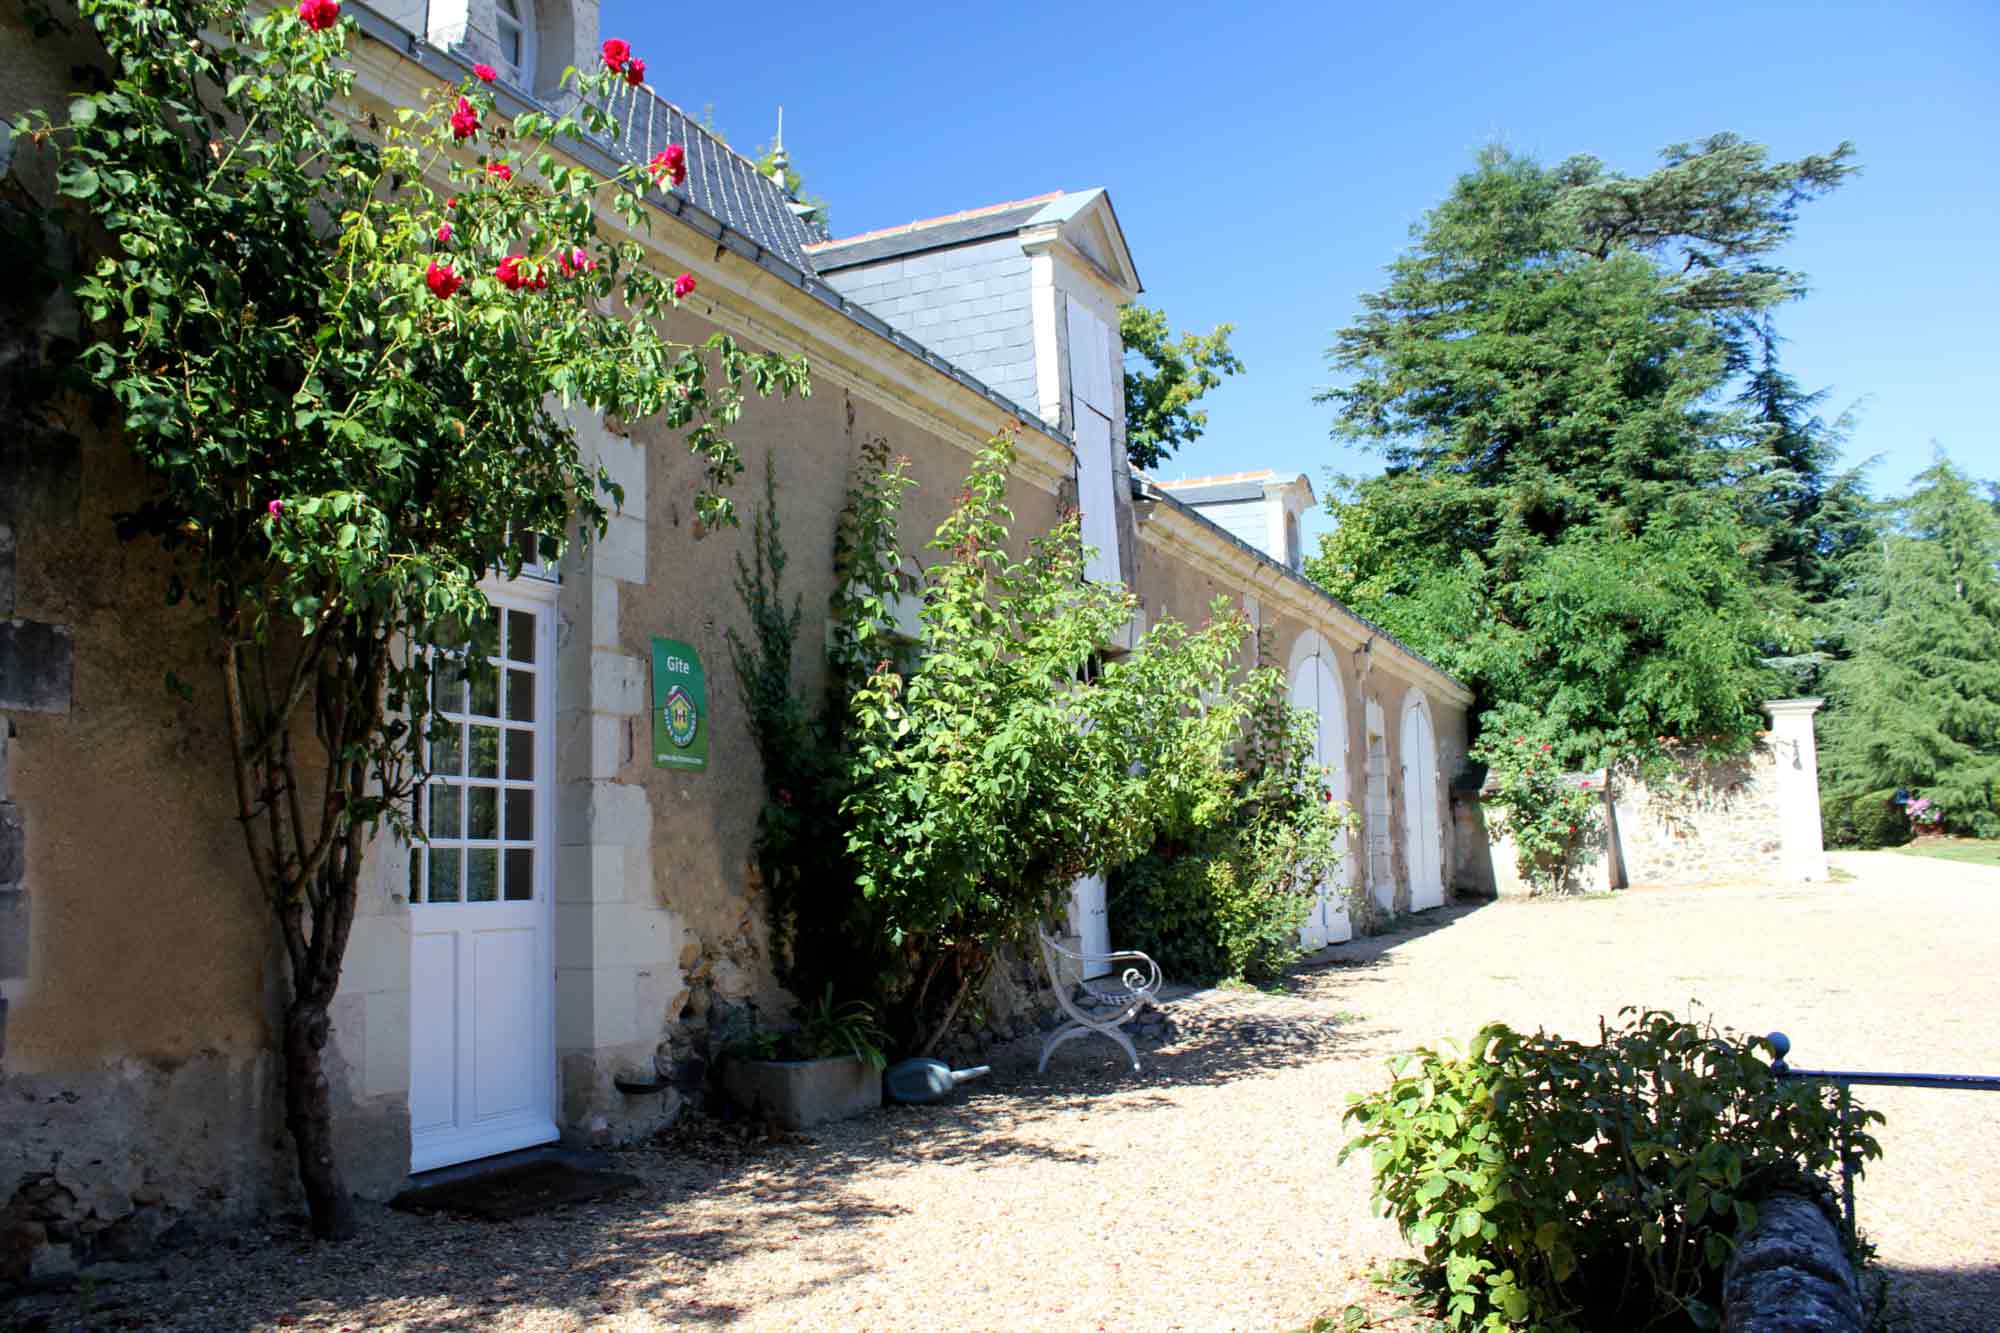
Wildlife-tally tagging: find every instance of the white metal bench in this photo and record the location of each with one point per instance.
(1103, 1005)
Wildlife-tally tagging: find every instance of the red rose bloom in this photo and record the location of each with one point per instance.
(485, 73)
(464, 120)
(514, 279)
(319, 15)
(635, 72)
(670, 164)
(444, 234)
(500, 171)
(684, 284)
(441, 280)
(616, 52)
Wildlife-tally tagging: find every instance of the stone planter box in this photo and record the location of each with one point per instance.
(798, 1093)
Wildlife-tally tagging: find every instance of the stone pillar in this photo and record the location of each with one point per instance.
(618, 948)
(1802, 855)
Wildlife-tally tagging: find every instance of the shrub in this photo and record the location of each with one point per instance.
(1877, 821)
(1836, 823)
(1569, 1185)
(951, 790)
(1223, 892)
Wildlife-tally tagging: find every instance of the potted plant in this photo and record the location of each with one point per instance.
(1926, 817)
(827, 1067)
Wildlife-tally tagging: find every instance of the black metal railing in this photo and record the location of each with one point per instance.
(1845, 1079)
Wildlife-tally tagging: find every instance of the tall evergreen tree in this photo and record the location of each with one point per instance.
(1813, 513)
(1571, 511)
(1917, 702)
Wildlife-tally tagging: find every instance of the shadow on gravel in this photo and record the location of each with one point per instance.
(1961, 1297)
(710, 1192)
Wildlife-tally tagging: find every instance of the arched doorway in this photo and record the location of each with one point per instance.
(1423, 834)
(1316, 688)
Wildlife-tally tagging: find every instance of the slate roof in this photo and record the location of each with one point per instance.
(721, 182)
(1228, 486)
(1214, 492)
(973, 224)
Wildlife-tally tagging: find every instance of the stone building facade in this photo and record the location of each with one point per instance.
(139, 974)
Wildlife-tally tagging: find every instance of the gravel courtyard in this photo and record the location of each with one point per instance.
(1205, 1194)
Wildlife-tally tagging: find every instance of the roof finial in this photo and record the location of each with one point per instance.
(778, 159)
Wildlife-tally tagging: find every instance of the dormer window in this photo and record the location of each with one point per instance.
(514, 27)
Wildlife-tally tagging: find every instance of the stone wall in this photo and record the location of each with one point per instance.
(1718, 821)
(1791, 1273)
(1754, 815)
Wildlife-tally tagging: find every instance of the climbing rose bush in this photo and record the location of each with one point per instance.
(1554, 822)
(348, 354)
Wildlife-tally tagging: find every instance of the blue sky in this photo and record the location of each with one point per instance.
(1267, 160)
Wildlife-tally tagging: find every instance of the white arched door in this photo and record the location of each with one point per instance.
(1316, 689)
(1423, 833)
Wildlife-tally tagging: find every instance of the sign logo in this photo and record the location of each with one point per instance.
(680, 706)
(681, 716)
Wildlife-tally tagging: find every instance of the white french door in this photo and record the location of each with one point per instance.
(1422, 827)
(482, 980)
(1316, 689)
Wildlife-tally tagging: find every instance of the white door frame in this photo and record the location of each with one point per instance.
(464, 1140)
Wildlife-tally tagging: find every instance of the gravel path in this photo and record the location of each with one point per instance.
(1204, 1195)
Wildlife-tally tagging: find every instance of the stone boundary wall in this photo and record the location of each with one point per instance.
(1750, 816)
(1791, 1274)
(1719, 820)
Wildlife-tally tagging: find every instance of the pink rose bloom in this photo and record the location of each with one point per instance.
(444, 234)
(485, 73)
(575, 262)
(319, 15)
(276, 509)
(500, 171)
(464, 120)
(684, 284)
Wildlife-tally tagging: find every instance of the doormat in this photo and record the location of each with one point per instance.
(514, 1191)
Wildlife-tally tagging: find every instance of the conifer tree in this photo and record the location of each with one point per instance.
(1577, 515)
(1917, 703)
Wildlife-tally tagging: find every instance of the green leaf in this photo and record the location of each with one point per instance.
(77, 180)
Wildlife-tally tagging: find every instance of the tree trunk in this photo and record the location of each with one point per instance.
(969, 979)
(309, 1117)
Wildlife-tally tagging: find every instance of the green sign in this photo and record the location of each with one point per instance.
(680, 706)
